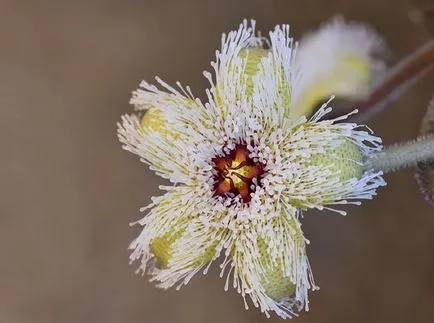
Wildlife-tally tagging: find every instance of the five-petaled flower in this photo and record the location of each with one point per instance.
(245, 164)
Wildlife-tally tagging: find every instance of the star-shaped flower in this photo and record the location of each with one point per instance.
(245, 164)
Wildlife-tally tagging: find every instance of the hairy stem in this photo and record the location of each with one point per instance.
(403, 155)
(425, 171)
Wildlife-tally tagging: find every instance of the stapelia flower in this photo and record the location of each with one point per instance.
(245, 164)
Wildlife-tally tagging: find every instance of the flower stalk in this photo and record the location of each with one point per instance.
(402, 155)
(425, 171)
(399, 79)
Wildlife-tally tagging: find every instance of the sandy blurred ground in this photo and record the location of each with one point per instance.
(68, 191)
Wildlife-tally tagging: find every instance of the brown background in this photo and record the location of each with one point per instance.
(68, 191)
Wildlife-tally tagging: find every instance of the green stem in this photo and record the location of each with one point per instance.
(403, 155)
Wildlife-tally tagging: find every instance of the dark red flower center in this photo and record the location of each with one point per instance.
(236, 172)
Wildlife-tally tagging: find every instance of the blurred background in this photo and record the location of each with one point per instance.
(68, 191)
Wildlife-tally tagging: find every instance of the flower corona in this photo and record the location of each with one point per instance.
(237, 173)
